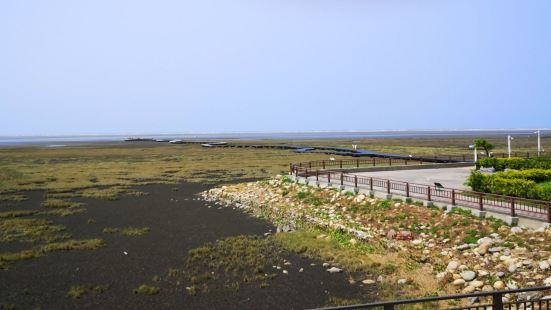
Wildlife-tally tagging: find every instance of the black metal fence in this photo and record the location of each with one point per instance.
(534, 298)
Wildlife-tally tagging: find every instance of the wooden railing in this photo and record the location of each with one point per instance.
(513, 206)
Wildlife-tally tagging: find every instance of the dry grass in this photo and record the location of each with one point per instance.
(88, 168)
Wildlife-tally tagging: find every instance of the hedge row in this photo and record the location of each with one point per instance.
(500, 164)
(514, 183)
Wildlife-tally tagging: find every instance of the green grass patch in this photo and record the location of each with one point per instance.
(60, 203)
(145, 289)
(31, 230)
(19, 213)
(127, 231)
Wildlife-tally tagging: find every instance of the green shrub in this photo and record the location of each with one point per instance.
(500, 164)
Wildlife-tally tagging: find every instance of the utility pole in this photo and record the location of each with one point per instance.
(539, 142)
(509, 138)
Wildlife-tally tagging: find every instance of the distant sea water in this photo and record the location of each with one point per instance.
(60, 141)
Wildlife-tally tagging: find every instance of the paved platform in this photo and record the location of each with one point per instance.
(448, 177)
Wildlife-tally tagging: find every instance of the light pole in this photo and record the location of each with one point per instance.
(539, 142)
(473, 147)
(509, 138)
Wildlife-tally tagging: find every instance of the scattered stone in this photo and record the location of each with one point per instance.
(301, 270)
(516, 230)
(459, 282)
(380, 279)
(368, 281)
(512, 285)
(544, 265)
(500, 274)
(334, 270)
(483, 273)
(477, 284)
(468, 275)
(353, 241)
(547, 281)
(468, 289)
(499, 285)
(404, 235)
(495, 249)
(325, 265)
(487, 288)
(472, 300)
(402, 281)
(452, 266)
(285, 272)
(512, 268)
(463, 247)
(391, 234)
(483, 248)
(483, 240)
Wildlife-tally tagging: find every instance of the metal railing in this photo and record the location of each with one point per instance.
(513, 206)
(523, 300)
(402, 160)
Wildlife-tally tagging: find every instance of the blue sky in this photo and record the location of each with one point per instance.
(103, 67)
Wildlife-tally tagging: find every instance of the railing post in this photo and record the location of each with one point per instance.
(428, 193)
(549, 213)
(355, 181)
(306, 175)
(480, 202)
(388, 186)
(407, 189)
(497, 301)
(463, 157)
(328, 177)
(373, 159)
(342, 178)
(340, 163)
(371, 184)
(513, 207)
(323, 164)
(390, 161)
(296, 172)
(357, 163)
(317, 175)
(310, 164)
(291, 168)
(453, 197)
(405, 162)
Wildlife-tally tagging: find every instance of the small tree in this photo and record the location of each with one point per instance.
(483, 144)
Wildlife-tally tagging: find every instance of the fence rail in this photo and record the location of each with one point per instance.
(403, 160)
(513, 206)
(495, 301)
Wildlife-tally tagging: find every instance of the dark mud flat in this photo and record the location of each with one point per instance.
(178, 223)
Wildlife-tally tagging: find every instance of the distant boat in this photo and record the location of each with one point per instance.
(161, 140)
(176, 141)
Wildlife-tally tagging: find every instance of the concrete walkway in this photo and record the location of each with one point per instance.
(448, 177)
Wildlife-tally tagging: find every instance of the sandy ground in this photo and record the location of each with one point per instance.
(178, 223)
(448, 177)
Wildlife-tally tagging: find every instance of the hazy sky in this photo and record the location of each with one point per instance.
(87, 67)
